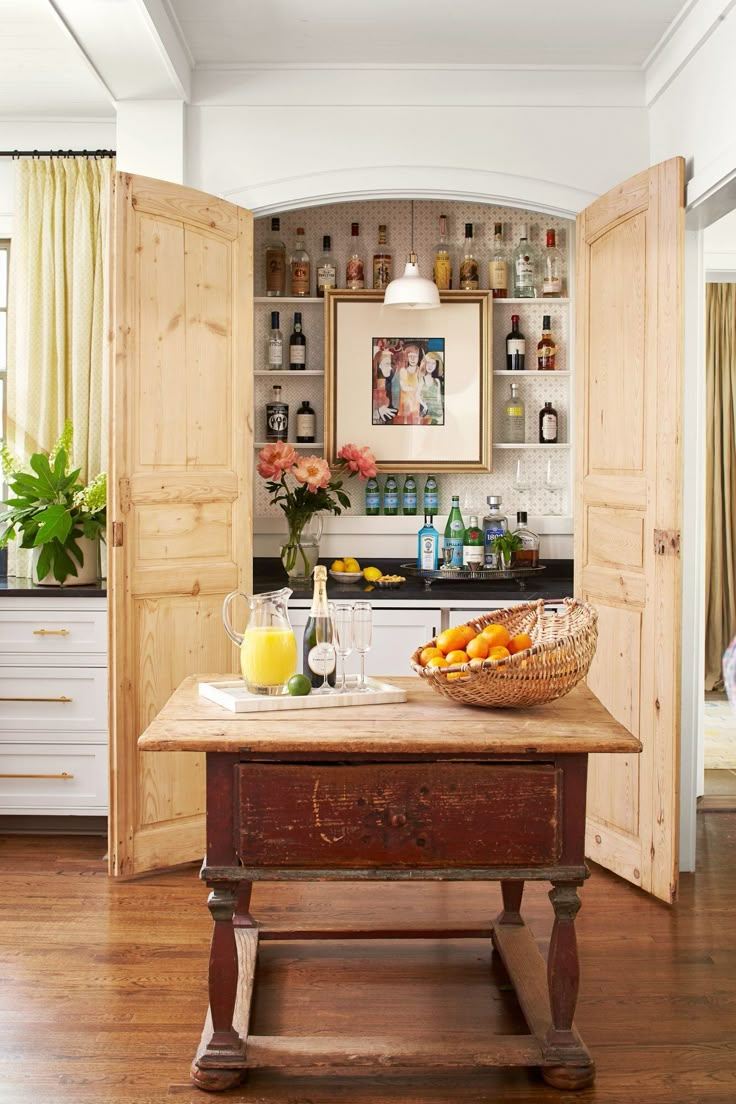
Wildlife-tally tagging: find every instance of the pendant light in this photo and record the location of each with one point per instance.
(412, 291)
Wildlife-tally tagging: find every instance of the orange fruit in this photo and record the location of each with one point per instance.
(467, 630)
(451, 640)
(478, 647)
(519, 643)
(438, 661)
(427, 654)
(475, 664)
(499, 652)
(498, 635)
(456, 675)
(458, 656)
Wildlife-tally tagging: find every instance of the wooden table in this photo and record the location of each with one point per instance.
(423, 790)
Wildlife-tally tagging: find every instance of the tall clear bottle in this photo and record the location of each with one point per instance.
(354, 272)
(442, 273)
(526, 268)
(552, 267)
(455, 533)
(514, 418)
(326, 268)
(275, 256)
(316, 659)
(469, 279)
(382, 262)
(495, 524)
(275, 345)
(498, 269)
(301, 273)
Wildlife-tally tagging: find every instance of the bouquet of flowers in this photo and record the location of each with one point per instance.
(303, 487)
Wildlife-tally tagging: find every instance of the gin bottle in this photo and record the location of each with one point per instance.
(525, 268)
(428, 546)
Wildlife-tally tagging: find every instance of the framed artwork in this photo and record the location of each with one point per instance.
(414, 386)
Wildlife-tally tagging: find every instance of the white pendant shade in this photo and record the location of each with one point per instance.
(411, 291)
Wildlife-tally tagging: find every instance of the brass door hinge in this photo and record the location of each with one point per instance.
(666, 542)
(117, 534)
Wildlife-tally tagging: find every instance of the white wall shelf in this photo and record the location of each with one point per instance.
(296, 373)
(520, 375)
(296, 444)
(531, 302)
(531, 446)
(274, 300)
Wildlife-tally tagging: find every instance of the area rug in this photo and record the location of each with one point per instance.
(720, 735)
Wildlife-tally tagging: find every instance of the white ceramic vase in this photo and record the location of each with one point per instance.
(86, 572)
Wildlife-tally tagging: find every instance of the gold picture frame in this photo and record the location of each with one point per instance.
(427, 406)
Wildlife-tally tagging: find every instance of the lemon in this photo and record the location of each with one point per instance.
(370, 574)
(337, 565)
(352, 565)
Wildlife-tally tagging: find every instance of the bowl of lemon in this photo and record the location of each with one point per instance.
(348, 570)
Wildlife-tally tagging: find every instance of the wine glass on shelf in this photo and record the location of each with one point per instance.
(554, 484)
(522, 483)
(342, 621)
(324, 660)
(362, 637)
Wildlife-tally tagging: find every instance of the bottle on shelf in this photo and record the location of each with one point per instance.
(354, 273)
(548, 425)
(428, 545)
(431, 497)
(409, 496)
(297, 346)
(498, 268)
(546, 348)
(300, 266)
(275, 251)
(525, 268)
(382, 262)
(372, 497)
(277, 417)
(515, 347)
(275, 344)
(473, 545)
(306, 424)
(326, 268)
(552, 268)
(495, 524)
(469, 279)
(455, 533)
(514, 419)
(528, 554)
(391, 496)
(442, 273)
(318, 660)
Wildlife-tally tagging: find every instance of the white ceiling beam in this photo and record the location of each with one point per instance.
(134, 46)
(696, 22)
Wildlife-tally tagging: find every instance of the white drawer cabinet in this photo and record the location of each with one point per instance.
(53, 706)
(396, 633)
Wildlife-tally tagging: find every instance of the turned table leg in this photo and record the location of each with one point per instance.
(563, 977)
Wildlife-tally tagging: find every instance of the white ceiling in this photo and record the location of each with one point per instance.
(424, 32)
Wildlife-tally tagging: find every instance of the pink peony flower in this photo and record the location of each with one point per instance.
(277, 458)
(360, 460)
(314, 471)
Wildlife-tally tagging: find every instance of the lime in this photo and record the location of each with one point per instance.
(299, 686)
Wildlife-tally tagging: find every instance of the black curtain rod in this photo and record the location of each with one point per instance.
(17, 154)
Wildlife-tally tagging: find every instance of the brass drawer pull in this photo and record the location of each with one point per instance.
(64, 774)
(61, 699)
(51, 632)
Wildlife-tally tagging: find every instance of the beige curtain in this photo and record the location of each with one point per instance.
(720, 480)
(58, 313)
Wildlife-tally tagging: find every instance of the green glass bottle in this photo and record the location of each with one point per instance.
(431, 496)
(455, 533)
(391, 496)
(409, 496)
(372, 497)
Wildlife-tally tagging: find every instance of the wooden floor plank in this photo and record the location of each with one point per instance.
(315, 1052)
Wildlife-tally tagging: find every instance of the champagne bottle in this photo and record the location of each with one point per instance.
(316, 658)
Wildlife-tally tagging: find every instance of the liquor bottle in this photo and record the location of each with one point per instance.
(455, 533)
(326, 268)
(275, 344)
(442, 274)
(515, 347)
(306, 424)
(469, 280)
(528, 554)
(552, 262)
(428, 545)
(495, 524)
(431, 498)
(546, 348)
(372, 497)
(318, 661)
(277, 417)
(548, 425)
(497, 268)
(301, 275)
(275, 260)
(297, 346)
(513, 418)
(473, 545)
(409, 496)
(382, 263)
(391, 496)
(525, 268)
(354, 278)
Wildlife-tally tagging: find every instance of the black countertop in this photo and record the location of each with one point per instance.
(17, 587)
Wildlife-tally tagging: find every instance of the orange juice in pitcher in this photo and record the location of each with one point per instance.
(268, 653)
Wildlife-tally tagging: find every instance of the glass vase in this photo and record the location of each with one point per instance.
(301, 551)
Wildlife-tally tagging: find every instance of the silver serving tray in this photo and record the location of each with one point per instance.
(464, 575)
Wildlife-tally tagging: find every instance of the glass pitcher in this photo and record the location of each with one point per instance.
(267, 647)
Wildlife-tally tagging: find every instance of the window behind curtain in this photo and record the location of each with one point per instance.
(4, 259)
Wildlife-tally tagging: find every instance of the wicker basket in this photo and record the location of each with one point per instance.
(563, 645)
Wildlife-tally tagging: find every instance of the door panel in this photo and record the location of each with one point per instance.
(628, 475)
(181, 475)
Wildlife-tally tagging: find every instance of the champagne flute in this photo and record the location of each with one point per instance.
(325, 648)
(342, 620)
(521, 482)
(554, 485)
(362, 636)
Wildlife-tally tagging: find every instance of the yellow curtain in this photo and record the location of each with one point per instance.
(58, 313)
(720, 479)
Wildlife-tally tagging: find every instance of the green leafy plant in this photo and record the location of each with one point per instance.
(506, 545)
(50, 509)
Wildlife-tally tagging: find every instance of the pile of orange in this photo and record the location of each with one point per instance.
(462, 644)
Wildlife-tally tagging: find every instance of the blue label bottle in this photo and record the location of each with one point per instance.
(428, 546)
